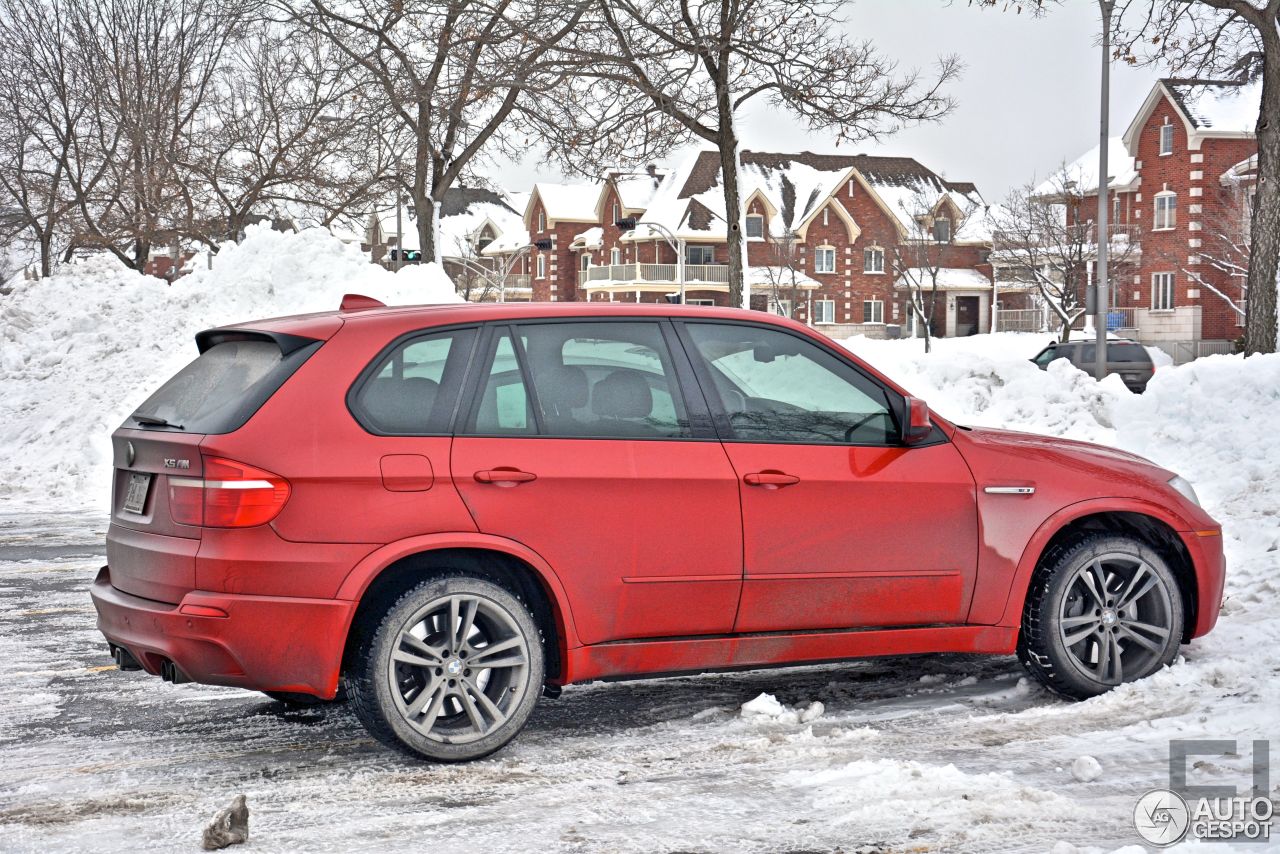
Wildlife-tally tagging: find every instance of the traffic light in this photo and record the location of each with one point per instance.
(543, 244)
(626, 223)
(674, 299)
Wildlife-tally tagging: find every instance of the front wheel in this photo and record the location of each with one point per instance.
(451, 673)
(1103, 610)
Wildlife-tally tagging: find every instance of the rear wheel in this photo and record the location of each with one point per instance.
(1102, 610)
(451, 673)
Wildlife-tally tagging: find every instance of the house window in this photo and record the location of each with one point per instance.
(700, 255)
(1166, 210)
(586, 261)
(872, 311)
(824, 259)
(1162, 291)
(824, 311)
(1115, 210)
(1244, 310)
(542, 221)
(617, 214)
(826, 216)
(782, 307)
(873, 260)
(755, 226)
(1166, 139)
(615, 255)
(542, 266)
(699, 302)
(942, 230)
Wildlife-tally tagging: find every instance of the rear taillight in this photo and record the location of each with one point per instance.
(230, 495)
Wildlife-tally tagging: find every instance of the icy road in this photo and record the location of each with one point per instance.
(911, 754)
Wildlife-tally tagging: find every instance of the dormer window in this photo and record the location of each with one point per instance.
(617, 213)
(1166, 138)
(542, 221)
(826, 216)
(942, 230)
(755, 227)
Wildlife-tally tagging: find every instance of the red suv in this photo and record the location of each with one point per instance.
(443, 512)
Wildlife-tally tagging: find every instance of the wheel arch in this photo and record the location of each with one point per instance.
(1151, 523)
(380, 578)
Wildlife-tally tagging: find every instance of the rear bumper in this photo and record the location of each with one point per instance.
(1211, 572)
(263, 643)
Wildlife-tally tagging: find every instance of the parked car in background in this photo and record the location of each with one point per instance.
(444, 512)
(1127, 358)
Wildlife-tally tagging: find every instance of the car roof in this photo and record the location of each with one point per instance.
(324, 324)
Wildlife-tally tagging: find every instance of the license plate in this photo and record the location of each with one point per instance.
(135, 498)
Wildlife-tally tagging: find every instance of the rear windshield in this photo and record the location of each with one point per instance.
(221, 389)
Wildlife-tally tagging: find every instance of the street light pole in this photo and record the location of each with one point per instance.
(676, 244)
(1101, 297)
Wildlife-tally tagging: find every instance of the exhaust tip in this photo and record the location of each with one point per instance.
(124, 659)
(169, 672)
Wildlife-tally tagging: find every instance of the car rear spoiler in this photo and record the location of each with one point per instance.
(287, 343)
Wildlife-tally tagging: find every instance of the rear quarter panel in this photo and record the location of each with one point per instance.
(306, 434)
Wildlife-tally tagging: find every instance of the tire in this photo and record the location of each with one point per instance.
(431, 701)
(1080, 644)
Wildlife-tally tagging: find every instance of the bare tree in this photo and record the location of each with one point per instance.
(452, 73)
(927, 249)
(700, 62)
(282, 133)
(785, 271)
(1043, 238)
(43, 107)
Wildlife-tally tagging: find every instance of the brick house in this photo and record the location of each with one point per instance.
(831, 239)
(1180, 191)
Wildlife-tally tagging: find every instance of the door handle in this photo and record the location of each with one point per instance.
(770, 479)
(505, 476)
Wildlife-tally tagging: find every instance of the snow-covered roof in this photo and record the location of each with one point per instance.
(592, 238)
(1081, 175)
(949, 279)
(764, 276)
(571, 202)
(635, 191)
(795, 187)
(1218, 105)
(464, 213)
(1244, 171)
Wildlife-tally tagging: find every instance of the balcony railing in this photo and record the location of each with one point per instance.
(619, 274)
(517, 280)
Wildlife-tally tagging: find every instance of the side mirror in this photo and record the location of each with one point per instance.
(917, 426)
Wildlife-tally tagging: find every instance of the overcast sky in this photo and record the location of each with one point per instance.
(1028, 98)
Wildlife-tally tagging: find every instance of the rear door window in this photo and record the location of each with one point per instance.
(1118, 352)
(412, 389)
(504, 407)
(607, 380)
(222, 388)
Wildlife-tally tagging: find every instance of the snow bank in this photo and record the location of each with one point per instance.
(79, 351)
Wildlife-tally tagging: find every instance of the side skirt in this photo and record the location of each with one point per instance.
(727, 652)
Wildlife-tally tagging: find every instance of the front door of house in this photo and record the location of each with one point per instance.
(966, 316)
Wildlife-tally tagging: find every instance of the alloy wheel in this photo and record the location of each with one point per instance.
(459, 668)
(1115, 618)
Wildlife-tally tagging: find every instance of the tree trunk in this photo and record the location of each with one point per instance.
(1260, 325)
(46, 254)
(732, 202)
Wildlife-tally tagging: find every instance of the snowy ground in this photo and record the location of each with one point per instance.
(941, 753)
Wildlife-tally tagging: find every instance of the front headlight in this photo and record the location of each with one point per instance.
(1184, 489)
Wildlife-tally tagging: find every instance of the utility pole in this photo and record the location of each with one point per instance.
(1101, 296)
